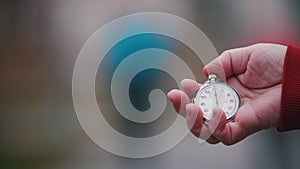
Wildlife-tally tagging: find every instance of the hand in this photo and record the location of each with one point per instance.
(256, 73)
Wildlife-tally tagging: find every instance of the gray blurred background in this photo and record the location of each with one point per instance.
(39, 44)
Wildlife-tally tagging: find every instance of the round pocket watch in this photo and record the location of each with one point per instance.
(215, 94)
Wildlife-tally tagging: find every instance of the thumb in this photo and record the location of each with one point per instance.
(215, 67)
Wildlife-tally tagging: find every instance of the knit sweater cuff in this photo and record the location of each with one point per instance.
(290, 96)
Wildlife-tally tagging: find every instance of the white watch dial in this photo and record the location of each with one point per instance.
(217, 95)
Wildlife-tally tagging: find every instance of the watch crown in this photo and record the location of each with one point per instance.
(212, 76)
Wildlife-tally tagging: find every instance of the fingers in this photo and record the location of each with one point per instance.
(215, 67)
(227, 133)
(218, 129)
(194, 120)
(179, 99)
(209, 138)
(194, 116)
(190, 87)
(230, 62)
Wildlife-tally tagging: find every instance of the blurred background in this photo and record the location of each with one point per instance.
(39, 44)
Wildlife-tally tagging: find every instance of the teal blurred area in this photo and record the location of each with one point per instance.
(39, 44)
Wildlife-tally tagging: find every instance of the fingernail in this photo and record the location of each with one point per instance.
(169, 96)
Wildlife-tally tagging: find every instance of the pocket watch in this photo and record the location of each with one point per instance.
(215, 94)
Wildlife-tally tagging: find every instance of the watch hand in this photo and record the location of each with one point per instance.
(216, 97)
(212, 100)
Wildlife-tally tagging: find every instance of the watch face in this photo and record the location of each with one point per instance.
(217, 95)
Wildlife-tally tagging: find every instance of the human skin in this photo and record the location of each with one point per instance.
(256, 73)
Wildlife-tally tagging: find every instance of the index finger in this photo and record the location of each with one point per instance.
(230, 63)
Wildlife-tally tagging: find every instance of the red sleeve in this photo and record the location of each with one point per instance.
(290, 96)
